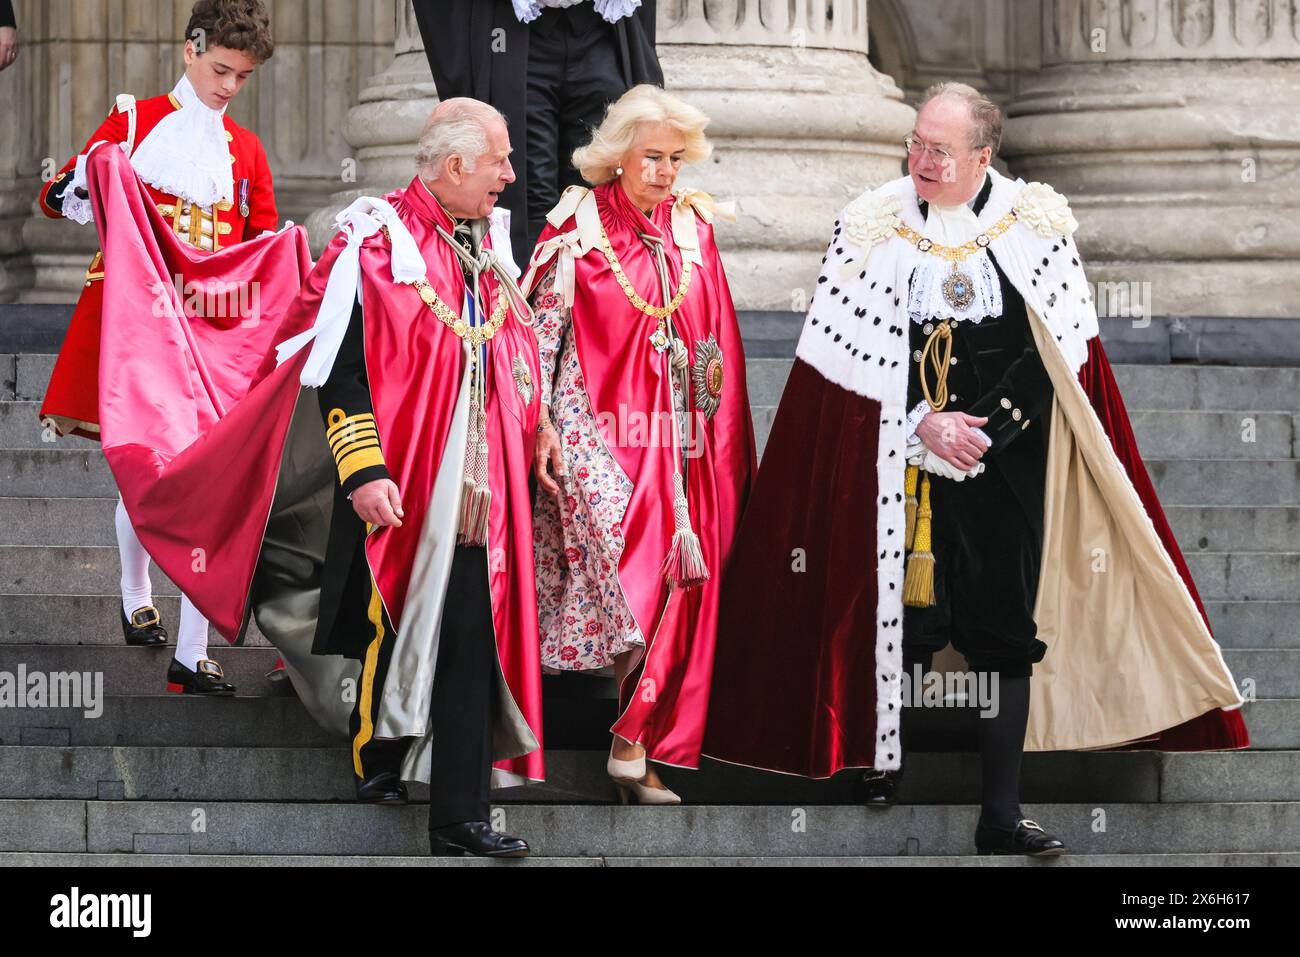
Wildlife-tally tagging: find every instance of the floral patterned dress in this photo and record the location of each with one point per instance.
(582, 613)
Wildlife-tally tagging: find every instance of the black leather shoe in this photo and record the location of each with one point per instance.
(386, 787)
(208, 680)
(477, 838)
(144, 628)
(878, 788)
(1027, 838)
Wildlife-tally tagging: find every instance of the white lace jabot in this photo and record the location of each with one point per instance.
(186, 153)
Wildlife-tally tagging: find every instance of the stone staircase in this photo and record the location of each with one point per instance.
(158, 778)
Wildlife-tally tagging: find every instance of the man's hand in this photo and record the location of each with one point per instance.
(378, 503)
(549, 458)
(8, 46)
(949, 436)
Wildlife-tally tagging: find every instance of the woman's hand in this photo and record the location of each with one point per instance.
(378, 503)
(549, 458)
(949, 436)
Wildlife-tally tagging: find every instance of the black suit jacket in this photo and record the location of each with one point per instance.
(343, 626)
(462, 39)
(999, 374)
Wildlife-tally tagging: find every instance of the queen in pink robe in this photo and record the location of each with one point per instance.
(646, 448)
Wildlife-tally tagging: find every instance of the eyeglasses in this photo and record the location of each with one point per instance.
(916, 147)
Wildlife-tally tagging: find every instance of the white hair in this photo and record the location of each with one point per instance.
(457, 127)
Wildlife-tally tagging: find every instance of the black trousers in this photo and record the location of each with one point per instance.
(574, 73)
(987, 557)
(464, 696)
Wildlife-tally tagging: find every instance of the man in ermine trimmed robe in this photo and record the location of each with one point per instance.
(949, 456)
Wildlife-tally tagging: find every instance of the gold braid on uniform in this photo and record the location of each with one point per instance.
(918, 583)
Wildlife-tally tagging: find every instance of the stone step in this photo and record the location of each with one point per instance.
(249, 721)
(1209, 387)
(92, 620)
(58, 521)
(325, 774)
(1249, 624)
(67, 860)
(180, 827)
(1160, 434)
(1225, 482)
(124, 670)
(56, 473)
(86, 620)
(96, 570)
(167, 720)
(1214, 528)
(1168, 434)
(76, 569)
(1223, 528)
(1242, 576)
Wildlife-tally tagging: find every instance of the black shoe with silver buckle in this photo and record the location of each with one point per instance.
(477, 838)
(144, 628)
(386, 787)
(1027, 838)
(207, 680)
(878, 788)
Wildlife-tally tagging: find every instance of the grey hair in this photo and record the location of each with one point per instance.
(456, 127)
(986, 116)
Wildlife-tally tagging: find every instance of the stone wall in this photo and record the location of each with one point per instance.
(77, 55)
(1172, 125)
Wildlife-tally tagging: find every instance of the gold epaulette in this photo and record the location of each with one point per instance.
(354, 441)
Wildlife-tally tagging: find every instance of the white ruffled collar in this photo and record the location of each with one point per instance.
(187, 153)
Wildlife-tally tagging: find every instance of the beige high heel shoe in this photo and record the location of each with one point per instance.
(628, 777)
(637, 793)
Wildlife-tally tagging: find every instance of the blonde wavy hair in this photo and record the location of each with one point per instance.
(643, 105)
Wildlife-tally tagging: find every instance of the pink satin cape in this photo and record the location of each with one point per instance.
(195, 413)
(665, 700)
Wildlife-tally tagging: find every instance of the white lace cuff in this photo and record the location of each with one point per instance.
(74, 207)
(615, 10)
(919, 412)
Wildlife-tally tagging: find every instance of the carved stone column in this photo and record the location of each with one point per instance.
(1173, 127)
(384, 125)
(801, 124)
(78, 55)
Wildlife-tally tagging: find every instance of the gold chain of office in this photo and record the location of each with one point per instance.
(477, 335)
(655, 312)
(955, 254)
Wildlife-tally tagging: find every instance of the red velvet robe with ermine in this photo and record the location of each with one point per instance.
(809, 674)
(664, 701)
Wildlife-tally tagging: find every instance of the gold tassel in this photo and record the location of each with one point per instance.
(909, 486)
(918, 584)
(684, 567)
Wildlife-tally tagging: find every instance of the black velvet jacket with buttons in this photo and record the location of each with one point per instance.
(996, 372)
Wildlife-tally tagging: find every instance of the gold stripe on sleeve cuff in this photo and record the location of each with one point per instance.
(354, 462)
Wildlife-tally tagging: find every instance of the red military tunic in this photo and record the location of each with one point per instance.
(72, 397)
